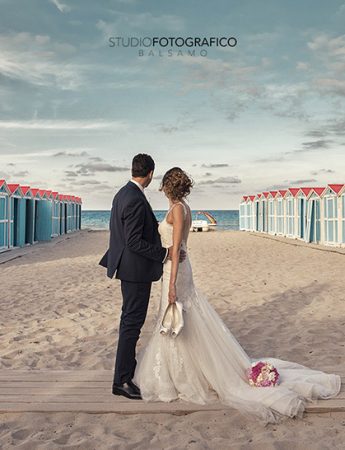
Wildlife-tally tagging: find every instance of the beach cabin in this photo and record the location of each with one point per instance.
(333, 215)
(280, 212)
(271, 206)
(4, 215)
(29, 197)
(302, 198)
(78, 215)
(55, 213)
(313, 224)
(291, 224)
(243, 212)
(264, 207)
(44, 221)
(250, 213)
(340, 189)
(17, 216)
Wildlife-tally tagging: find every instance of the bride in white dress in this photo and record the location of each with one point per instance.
(205, 363)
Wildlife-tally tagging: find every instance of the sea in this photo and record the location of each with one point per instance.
(226, 219)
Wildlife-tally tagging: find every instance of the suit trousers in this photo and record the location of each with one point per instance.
(134, 309)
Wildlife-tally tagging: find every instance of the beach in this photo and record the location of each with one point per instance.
(279, 297)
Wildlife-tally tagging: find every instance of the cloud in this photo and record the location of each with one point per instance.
(60, 125)
(69, 154)
(21, 174)
(36, 60)
(270, 159)
(315, 145)
(221, 180)
(303, 181)
(93, 167)
(322, 171)
(96, 158)
(302, 65)
(214, 166)
(60, 6)
(71, 173)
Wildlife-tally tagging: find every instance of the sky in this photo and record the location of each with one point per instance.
(265, 114)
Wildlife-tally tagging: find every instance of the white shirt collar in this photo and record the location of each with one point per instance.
(138, 184)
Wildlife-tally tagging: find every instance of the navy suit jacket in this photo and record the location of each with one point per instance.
(135, 251)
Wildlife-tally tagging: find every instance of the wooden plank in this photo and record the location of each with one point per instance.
(128, 407)
(56, 375)
(131, 408)
(90, 391)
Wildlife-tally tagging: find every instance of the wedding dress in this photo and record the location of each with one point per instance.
(206, 364)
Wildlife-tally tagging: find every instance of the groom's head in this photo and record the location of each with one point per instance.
(143, 167)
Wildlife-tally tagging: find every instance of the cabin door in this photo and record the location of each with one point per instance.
(3, 222)
(310, 230)
(44, 220)
(301, 219)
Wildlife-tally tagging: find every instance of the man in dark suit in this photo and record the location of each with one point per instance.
(136, 255)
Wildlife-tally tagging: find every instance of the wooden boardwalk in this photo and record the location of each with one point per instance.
(90, 391)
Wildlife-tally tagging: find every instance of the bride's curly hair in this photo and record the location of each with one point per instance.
(176, 184)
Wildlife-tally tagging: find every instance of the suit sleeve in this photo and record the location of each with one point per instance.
(133, 220)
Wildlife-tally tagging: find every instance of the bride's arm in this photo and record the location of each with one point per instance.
(178, 226)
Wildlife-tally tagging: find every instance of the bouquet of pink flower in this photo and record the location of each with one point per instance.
(262, 374)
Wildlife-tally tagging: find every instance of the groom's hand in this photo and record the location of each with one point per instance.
(182, 254)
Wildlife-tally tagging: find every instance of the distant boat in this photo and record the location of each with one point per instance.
(203, 225)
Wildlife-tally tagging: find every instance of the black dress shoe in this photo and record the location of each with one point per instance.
(129, 390)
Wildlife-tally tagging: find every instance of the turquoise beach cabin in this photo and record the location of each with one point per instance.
(4, 215)
(17, 215)
(30, 215)
(55, 213)
(313, 227)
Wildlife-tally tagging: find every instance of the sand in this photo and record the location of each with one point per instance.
(58, 310)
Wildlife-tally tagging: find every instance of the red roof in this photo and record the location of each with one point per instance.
(245, 197)
(294, 191)
(319, 190)
(306, 191)
(266, 194)
(336, 187)
(2, 182)
(34, 191)
(13, 187)
(25, 189)
(252, 198)
(273, 193)
(54, 194)
(259, 195)
(282, 192)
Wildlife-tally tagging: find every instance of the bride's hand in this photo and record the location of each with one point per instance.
(172, 293)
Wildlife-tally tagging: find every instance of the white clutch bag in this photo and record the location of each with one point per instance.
(172, 322)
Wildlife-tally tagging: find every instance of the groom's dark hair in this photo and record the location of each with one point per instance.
(142, 165)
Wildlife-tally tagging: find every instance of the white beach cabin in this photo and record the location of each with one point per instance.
(332, 232)
(280, 212)
(271, 206)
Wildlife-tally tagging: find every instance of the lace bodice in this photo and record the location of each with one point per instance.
(165, 229)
